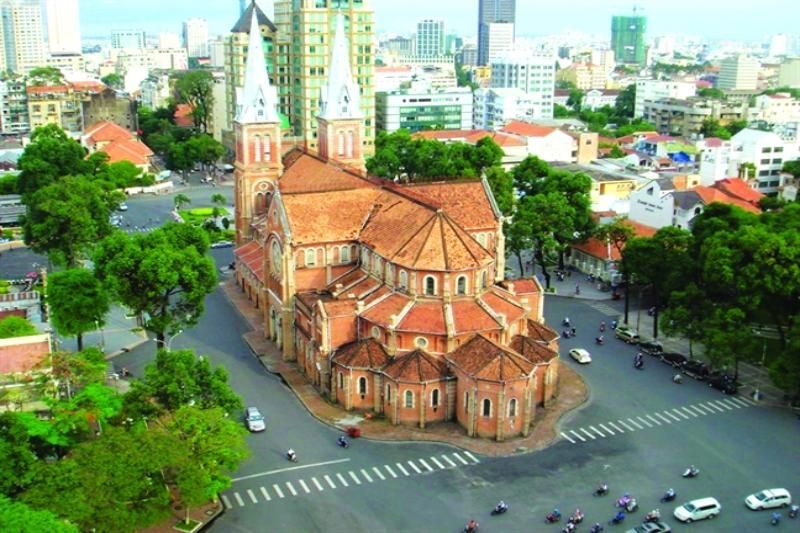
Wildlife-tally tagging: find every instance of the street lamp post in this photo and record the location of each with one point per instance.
(168, 344)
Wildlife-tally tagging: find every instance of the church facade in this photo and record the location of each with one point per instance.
(391, 298)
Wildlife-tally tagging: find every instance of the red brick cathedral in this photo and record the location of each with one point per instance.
(391, 298)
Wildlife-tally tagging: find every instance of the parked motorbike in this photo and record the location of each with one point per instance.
(553, 516)
(653, 516)
(668, 496)
(691, 472)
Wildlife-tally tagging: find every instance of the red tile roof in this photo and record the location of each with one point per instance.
(131, 150)
(424, 317)
(416, 367)
(526, 129)
(472, 136)
(183, 116)
(368, 354)
(325, 217)
(533, 351)
(308, 174)
(46, 89)
(252, 255)
(468, 317)
(483, 359)
(608, 252)
(710, 195)
(523, 286)
(738, 188)
(502, 304)
(106, 131)
(465, 201)
(381, 313)
(541, 333)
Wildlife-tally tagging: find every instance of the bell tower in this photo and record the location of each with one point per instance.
(258, 139)
(341, 123)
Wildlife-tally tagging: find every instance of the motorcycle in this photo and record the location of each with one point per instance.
(291, 456)
(793, 511)
(553, 517)
(566, 323)
(569, 528)
(653, 516)
(602, 490)
(602, 327)
(499, 510)
(471, 527)
(691, 472)
(638, 364)
(566, 334)
(668, 496)
(597, 528)
(618, 518)
(599, 340)
(629, 504)
(343, 443)
(677, 378)
(576, 518)
(776, 519)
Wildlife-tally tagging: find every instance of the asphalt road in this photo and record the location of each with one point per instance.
(146, 212)
(646, 431)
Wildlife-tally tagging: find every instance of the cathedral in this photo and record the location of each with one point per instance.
(390, 298)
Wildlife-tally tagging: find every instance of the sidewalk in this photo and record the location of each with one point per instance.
(118, 335)
(588, 290)
(572, 393)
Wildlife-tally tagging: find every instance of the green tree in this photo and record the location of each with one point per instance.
(204, 149)
(16, 517)
(164, 275)
(616, 152)
(196, 88)
(747, 171)
(575, 99)
(66, 218)
(16, 456)
(71, 372)
(793, 168)
(712, 93)
(78, 302)
(180, 200)
(626, 101)
(16, 326)
(9, 184)
(45, 76)
(502, 185)
(50, 155)
(113, 80)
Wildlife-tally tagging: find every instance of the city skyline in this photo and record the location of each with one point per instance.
(752, 22)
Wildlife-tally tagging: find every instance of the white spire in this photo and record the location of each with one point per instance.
(341, 98)
(258, 100)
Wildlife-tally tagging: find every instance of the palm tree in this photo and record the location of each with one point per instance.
(181, 200)
(218, 200)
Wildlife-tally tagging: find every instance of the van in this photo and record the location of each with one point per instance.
(768, 499)
(629, 335)
(697, 510)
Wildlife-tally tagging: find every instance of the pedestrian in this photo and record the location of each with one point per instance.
(577, 288)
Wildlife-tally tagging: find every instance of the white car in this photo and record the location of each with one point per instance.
(222, 244)
(254, 419)
(123, 207)
(768, 498)
(697, 510)
(580, 355)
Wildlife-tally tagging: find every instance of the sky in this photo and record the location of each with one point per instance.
(749, 20)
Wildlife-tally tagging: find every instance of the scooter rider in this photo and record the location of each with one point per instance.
(472, 527)
(342, 441)
(291, 455)
(502, 506)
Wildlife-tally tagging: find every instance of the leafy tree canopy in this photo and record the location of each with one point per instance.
(78, 302)
(16, 517)
(16, 326)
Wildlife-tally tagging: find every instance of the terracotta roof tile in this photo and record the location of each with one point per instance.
(131, 150)
(362, 354)
(738, 188)
(710, 195)
(527, 130)
(307, 174)
(465, 201)
(472, 136)
(523, 286)
(502, 306)
(541, 333)
(601, 250)
(416, 367)
(381, 313)
(183, 116)
(483, 359)
(469, 317)
(325, 217)
(424, 318)
(348, 279)
(106, 131)
(340, 307)
(533, 351)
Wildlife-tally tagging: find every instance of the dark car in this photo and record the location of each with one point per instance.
(672, 358)
(651, 347)
(724, 382)
(696, 369)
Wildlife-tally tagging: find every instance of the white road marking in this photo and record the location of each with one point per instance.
(645, 422)
(675, 418)
(227, 502)
(378, 473)
(403, 470)
(305, 487)
(667, 420)
(578, 435)
(460, 459)
(330, 481)
(715, 407)
(727, 407)
(565, 436)
(354, 477)
(366, 476)
(449, 461)
(317, 483)
(252, 496)
(437, 463)
(291, 488)
(342, 480)
(289, 469)
(606, 429)
(746, 400)
(653, 420)
(277, 490)
(626, 425)
(740, 402)
(412, 465)
(589, 434)
(732, 404)
(239, 499)
(613, 425)
(597, 431)
(265, 493)
(686, 410)
(426, 465)
(389, 469)
(702, 409)
(475, 459)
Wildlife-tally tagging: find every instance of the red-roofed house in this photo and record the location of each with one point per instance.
(600, 258)
(183, 116)
(119, 143)
(548, 144)
(515, 148)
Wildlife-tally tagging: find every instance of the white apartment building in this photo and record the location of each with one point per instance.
(151, 59)
(155, 91)
(738, 73)
(219, 116)
(216, 52)
(195, 37)
(494, 108)
(417, 110)
(533, 74)
(775, 108)
(127, 39)
(653, 90)
(500, 39)
(789, 73)
(13, 107)
(168, 39)
(22, 43)
(430, 38)
(63, 26)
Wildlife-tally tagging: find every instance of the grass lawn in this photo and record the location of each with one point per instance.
(198, 215)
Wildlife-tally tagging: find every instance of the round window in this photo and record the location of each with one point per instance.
(376, 332)
(421, 342)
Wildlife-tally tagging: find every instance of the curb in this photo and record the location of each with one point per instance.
(126, 348)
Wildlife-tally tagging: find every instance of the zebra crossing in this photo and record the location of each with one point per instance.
(653, 420)
(604, 308)
(349, 478)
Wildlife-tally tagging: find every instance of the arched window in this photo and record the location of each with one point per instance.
(341, 380)
(482, 239)
(390, 272)
(486, 407)
(404, 280)
(408, 399)
(484, 280)
(341, 143)
(260, 203)
(388, 393)
(257, 148)
(267, 148)
(461, 285)
(364, 258)
(512, 407)
(376, 332)
(430, 286)
(466, 399)
(311, 257)
(349, 148)
(421, 342)
(276, 257)
(435, 398)
(377, 265)
(362, 385)
(344, 254)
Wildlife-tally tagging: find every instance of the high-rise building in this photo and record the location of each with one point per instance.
(738, 73)
(789, 73)
(168, 39)
(430, 38)
(627, 39)
(533, 74)
(305, 33)
(417, 110)
(195, 37)
(22, 46)
(127, 39)
(63, 26)
(499, 39)
(492, 11)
